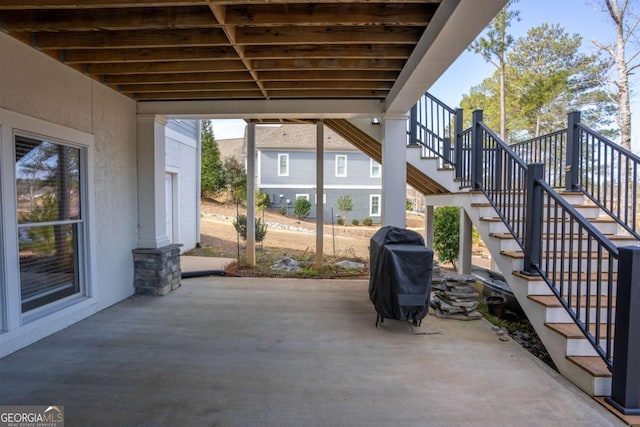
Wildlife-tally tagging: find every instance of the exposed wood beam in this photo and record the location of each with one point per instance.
(328, 93)
(186, 87)
(290, 76)
(327, 35)
(83, 56)
(238, 94)
(178, 78)
(389, 13)
(92, 4)
(133, 39)
(318, 94)
(327, 64)
(164, 67)
(386, 51)
(108, 19)
(231, 32)
(329, 84)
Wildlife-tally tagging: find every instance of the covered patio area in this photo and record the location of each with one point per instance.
(283, 352)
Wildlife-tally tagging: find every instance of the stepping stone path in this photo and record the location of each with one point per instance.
(453, 296)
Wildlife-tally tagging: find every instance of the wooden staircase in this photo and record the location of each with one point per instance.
(572, 353)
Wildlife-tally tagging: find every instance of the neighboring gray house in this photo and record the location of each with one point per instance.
(286, 170)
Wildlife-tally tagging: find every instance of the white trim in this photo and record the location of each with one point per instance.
(302, 196)
(22, 330)
(371, 196)
(285, 155)
(326, 187)
(371, 163)
(324, 198)
(345, 166)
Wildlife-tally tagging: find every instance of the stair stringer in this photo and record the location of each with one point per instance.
(428, 167)
(556, 344)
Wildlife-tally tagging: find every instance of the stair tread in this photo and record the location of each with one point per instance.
(572, 331)
(551, 301)
(592, 364)
(594, 276)
(520, 255)
(601, 219)
(489, 205)
(509, 236)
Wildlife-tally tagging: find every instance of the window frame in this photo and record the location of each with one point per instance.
(81, 227)
(371, 197)
(302, 196)
(371, 165)
(337, 164)
(284, 156)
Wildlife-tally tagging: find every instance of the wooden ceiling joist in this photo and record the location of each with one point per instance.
(177, 78)
(83, 56)
(364, 51)
(258, 36)
(235, 49)
(326, 64)
(164, 67)
(329, 14)
(129, 39)
(109, 19)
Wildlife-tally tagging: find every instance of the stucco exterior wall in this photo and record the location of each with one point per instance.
(40, 95)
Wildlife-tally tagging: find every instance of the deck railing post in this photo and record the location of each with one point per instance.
(533, 219)
(457, 134)
(413, 125)
(573, 151)
(476, 151)
(446, 148)
(625, 381)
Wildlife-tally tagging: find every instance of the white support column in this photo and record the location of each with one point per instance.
(152, 229)
(428, 226)
(466, 241)
(319, 193)
(251, 194)
(394, 170)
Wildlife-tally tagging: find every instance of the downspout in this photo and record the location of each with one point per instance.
(198, 176)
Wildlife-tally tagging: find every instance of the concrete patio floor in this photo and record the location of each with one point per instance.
(281, 352)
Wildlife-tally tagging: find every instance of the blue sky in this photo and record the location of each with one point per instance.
(575, 16)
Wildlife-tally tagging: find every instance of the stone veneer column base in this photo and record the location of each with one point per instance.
(156, 271)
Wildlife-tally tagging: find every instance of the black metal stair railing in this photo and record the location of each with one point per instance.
(551, 150)
(606, 173)
(580, 159)
(580, 266)
(432, 125)
(583, 268)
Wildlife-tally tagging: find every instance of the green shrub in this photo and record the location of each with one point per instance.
(302, 208)
(355, 222)
(240, 225)
(283, 210)
(340, 221)
(446, 233)
(367, 221)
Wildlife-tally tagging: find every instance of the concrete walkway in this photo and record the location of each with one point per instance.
(273, 352)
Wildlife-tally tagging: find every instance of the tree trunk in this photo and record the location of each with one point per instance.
(624, 105)
(503, 105)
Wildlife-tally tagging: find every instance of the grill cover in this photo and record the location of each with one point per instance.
(400, 274)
